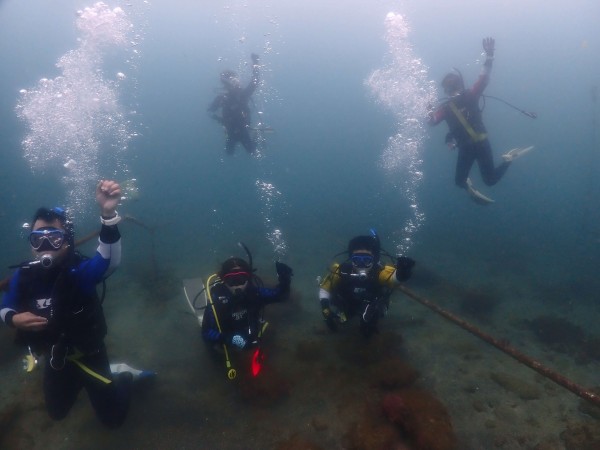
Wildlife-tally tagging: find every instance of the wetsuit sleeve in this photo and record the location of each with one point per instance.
(437, 116)
(104, 262)
(8, 307)
(484, 78)
(329, 283)
(274, 295)
(216, 104)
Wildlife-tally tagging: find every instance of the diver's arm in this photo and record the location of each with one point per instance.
(108, 254)
(390, 276)
(12, 317)
(324, 298)
(436, 116)
(214, 106)
(273, 295)
(210, 329)
(284, 276)
(403, 269)
(281, 292)
(255, 76)
(106, 259)
(328, 285)
(216, 103)
(484, 77)
(325, 289)
(109, 247)
(483, 80)
(8, 307)
(108, 196)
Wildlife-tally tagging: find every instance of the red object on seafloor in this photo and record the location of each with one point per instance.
(257, 360)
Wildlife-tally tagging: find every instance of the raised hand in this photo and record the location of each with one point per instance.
(488, 46)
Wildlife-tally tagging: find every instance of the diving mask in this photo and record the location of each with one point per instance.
(235, 279)
(362, 260)
(46, 239)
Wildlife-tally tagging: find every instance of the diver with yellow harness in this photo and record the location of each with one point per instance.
(233, 317)
(468, 133)
(361, 285)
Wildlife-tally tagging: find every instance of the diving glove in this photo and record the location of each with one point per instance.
(284, 272)
(404, 266)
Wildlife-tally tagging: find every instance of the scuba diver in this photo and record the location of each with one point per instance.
(53, 304)
(467, 131)
(361, 285)
(235, 112)
(236, 298)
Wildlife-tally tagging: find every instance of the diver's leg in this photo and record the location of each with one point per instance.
(229, 145)
(368, 329)
(464, 162)
(60, 389)
(247, 141)
(368, 320)
(110, 400)
(490, 174)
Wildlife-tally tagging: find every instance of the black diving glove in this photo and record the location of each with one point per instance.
(284, 272)
(404, 266)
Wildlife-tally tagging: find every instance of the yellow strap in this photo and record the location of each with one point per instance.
(210, 300)
(263, 328)
(89, 371)
(476, 137)
(231, 372)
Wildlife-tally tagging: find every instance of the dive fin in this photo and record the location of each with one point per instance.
(515, 153)
(477, 196)
(137, 374)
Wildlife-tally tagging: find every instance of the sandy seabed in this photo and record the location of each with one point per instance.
(320, 390)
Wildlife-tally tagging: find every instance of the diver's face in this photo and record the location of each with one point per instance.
(48, 242)
(362, 260)
(452, 88)
(236, 281)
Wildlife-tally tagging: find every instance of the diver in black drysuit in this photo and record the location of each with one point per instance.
(235, 112)
(234, 315)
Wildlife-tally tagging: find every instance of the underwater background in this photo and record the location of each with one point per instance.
(345, 87)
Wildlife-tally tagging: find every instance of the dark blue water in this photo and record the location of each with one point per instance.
(535, 252)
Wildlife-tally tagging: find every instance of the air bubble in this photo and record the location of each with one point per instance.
(403, 88)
